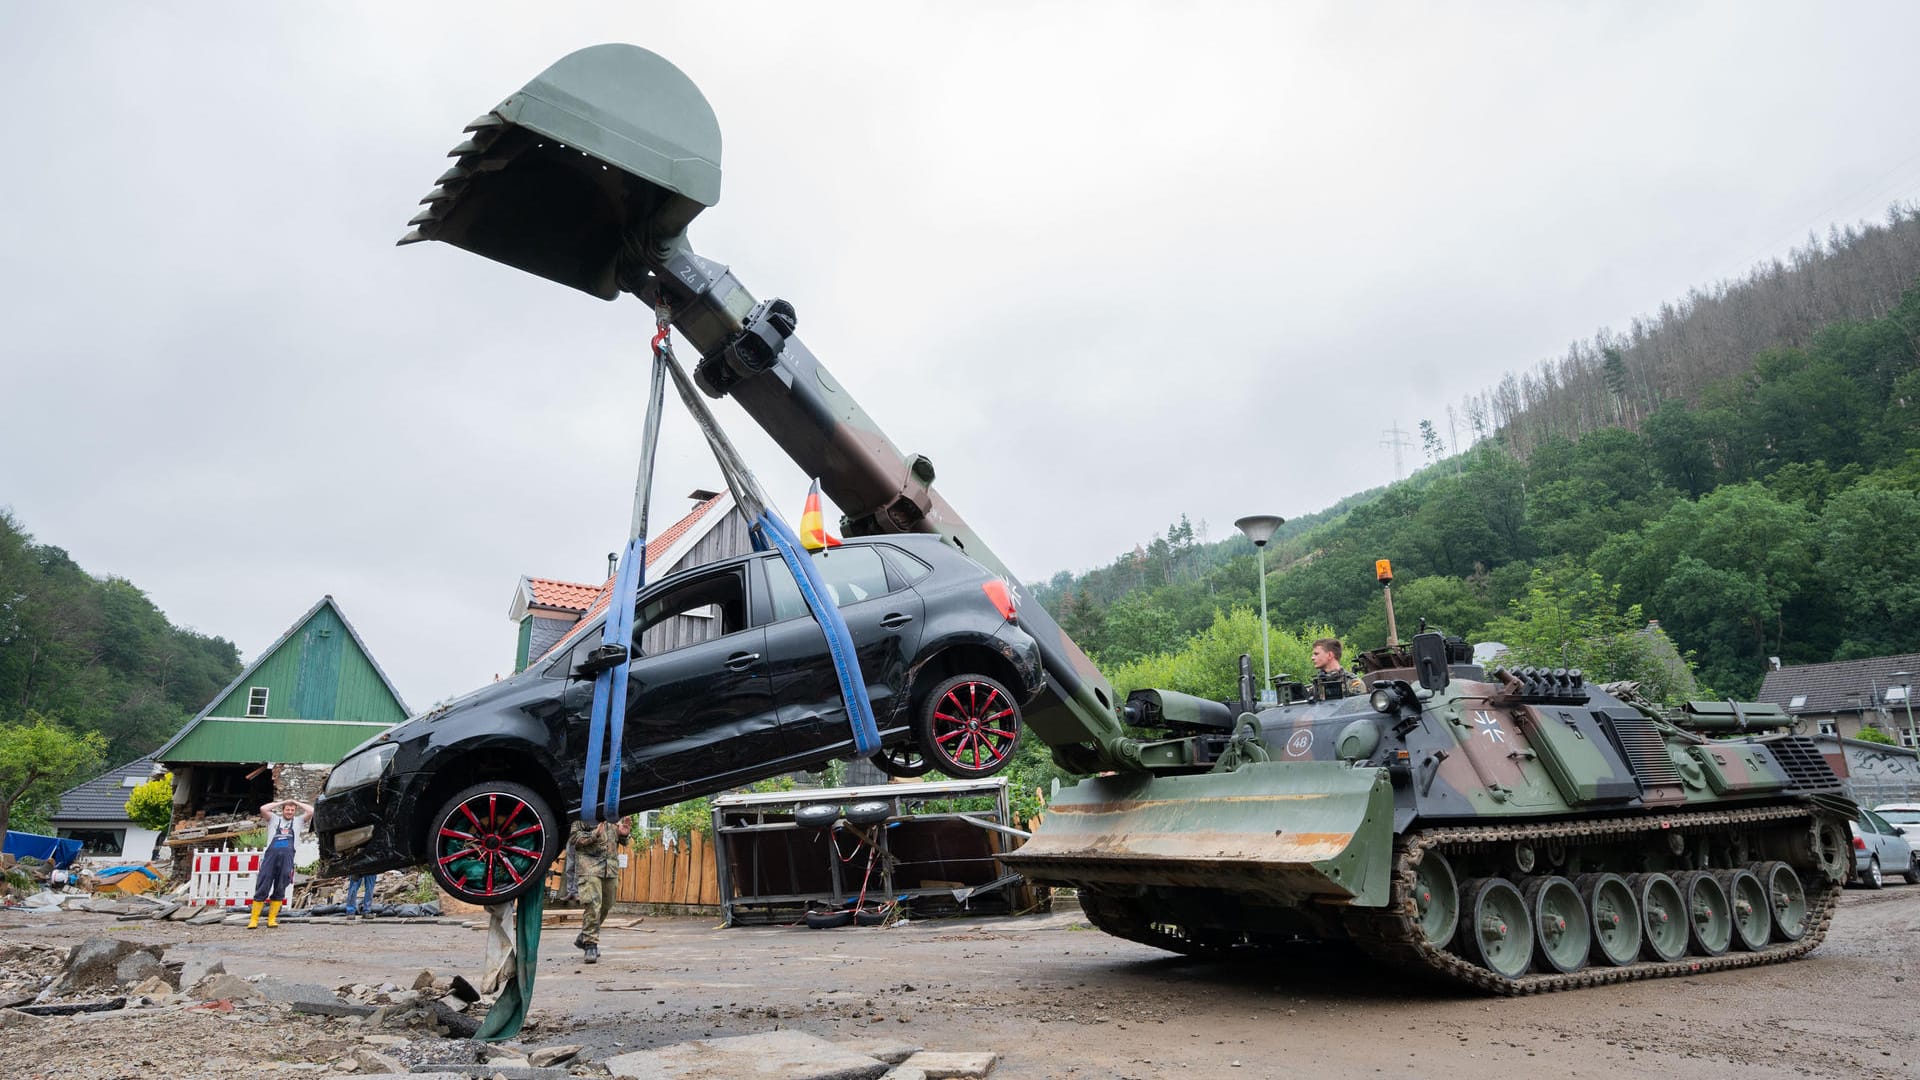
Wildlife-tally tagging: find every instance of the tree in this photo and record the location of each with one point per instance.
(1571, 617)
(1208, 664)
(1430, 441)
(151, 804)
(39, 759)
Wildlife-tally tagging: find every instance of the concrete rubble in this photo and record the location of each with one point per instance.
(421, 1029)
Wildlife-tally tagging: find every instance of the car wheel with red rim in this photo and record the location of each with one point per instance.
(491, 843)
(969, 726)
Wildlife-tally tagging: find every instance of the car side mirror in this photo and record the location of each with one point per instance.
(601, 659)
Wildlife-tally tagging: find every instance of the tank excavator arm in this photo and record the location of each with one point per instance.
(589, 176)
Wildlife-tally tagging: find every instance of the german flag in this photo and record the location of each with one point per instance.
(813, 531)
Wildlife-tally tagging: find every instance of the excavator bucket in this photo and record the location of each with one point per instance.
(610, 146)
(1290, 832)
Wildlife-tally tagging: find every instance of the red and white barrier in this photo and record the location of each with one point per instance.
(224, 878)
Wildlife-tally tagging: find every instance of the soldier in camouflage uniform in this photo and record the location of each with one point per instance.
(597, 849)
(1326, 661)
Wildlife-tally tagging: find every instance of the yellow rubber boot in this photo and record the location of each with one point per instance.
(273, 913)
(254, 923)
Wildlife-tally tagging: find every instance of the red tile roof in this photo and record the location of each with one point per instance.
(562, 595)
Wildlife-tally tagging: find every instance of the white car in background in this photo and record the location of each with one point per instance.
(1904, 816)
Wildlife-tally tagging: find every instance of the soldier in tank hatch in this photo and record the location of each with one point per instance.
(1333, 679)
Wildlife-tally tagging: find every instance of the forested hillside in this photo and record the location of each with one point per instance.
(1743, 467)
(93, 654)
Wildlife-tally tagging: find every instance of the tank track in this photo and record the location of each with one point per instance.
(1392, 934)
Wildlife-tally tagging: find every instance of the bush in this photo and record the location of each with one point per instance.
(1870, 733)
(151, 804)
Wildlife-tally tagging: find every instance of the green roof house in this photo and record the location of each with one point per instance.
(276, 731)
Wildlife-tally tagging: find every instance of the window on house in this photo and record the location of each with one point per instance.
(256, 701)
(1799, 702)
(1907, 740)
(1828, 727)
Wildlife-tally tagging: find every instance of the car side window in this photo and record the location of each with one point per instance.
(1878, 823)
(705, 608)
(906, 568)
(851, 574)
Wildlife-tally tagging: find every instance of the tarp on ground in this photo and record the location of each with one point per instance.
(23, 845)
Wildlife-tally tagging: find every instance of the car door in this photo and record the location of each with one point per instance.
(699, 703)
(883, 616)
(1887, 843)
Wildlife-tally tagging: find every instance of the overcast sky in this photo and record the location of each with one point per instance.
(1105, 264)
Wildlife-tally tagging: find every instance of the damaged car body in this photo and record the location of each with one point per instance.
(730, 682)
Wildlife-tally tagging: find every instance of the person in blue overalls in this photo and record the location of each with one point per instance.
(285, 820)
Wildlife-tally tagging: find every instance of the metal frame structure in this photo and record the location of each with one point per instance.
(755, 814)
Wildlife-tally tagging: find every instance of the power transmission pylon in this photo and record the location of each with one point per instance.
(1397, 439)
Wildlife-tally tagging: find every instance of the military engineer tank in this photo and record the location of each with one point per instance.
(1517, 831)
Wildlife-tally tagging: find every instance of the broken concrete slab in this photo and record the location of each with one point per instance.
(375, 1061)
(904, 1073)
(308, 998)
(138, 967)
(553, 1055)
(490, 1070)
(221, 986)
(208, 915)
(773, 1055)
(155, 989)
(951, 1065)
(891, 1051)
(399, 1076)
(95, 962)
(424, 980)
(196, 968)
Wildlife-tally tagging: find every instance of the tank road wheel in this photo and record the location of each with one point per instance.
(968, 727)
(1614, 915)
(1561, 934)
(492, 842)
(1787, 897)
(1747, 902)
(1494, 926)
(1663, 915)
(904, 761)
(1709, 912)
(1436, 899)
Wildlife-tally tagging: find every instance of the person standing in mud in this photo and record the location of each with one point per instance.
(597, 848)
(285, 821)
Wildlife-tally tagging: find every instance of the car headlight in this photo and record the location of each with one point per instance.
(362, 768)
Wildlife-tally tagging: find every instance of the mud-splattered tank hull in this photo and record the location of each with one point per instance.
(1517, 832)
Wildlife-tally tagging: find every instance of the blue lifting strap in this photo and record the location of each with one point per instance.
(770, 530)
(846, 664)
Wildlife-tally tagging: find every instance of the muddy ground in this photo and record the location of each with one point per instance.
(1054, 997)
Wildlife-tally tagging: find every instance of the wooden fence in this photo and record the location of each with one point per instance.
(685, 873)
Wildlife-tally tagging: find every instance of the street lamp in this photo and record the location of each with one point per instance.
(1260, 528)
(1906, 695)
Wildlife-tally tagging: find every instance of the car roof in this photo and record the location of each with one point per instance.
(1909, 806)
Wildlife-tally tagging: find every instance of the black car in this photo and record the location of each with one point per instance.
(730, 682)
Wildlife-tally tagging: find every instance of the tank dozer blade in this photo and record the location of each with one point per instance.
(612, 145)
(1287, 832)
